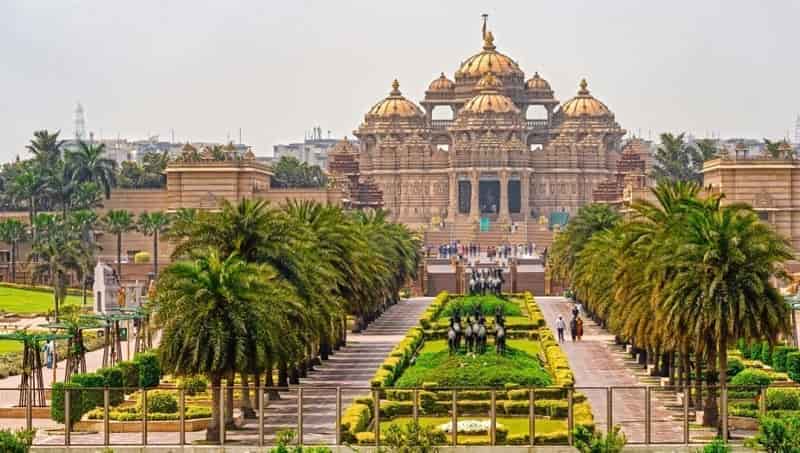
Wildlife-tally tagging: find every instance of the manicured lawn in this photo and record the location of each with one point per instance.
(515, 425)
(488, 304)
(7, 346)
(519, 365)
(15, 300)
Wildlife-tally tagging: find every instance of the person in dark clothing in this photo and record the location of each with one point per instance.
(573, 328)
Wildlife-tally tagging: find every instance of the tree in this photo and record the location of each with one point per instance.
(46, 148)
(57, 252)
(568, 244)
(153, 224)
(214, 311)
(676, 160)
(119, 222)
(27, 187)
(90, 165)
(12, 232)
(290, 172)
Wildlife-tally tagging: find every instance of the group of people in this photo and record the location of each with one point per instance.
(473, 250)
(486, 280)
(575, 325)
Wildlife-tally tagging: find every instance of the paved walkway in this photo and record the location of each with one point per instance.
(598, 362)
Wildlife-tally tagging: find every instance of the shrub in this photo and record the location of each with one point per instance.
(766, 354)
(779, 357)
(751, 378)
(355, 419)
(717, 446)
(793, 366)
(130, 374)
(149, 369)
(80, 401)
(587, 441)
(753, 351)
(193, 385)
(413, 437)
(779, 435)
(392, 409)
(735, 366)
(16, 442)
(783, 398)
(141, 258)
(160, 401)
(114, 379)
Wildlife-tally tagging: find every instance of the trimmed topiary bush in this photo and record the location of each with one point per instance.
(130, 374)
(160, 401)
(751, 378)
(193, 385)
(793, 366)
(766, 354)
(779, 357)
(149, 369)
(783, 398)
(141, 258)
(735, 366)
(114, 379)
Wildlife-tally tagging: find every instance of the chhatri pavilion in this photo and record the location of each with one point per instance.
(488, 156)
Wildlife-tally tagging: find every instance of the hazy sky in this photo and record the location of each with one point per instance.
(277, 68)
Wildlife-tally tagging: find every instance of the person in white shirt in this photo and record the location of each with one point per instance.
(560, 326)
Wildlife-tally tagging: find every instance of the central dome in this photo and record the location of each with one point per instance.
(489, 60)
(490, 98)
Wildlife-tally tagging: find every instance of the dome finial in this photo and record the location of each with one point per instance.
(395, 88)
(488, 41)
(584, 86)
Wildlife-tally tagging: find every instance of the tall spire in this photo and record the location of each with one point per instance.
(483, 29)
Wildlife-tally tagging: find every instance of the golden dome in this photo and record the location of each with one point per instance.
(489, 60)
(537, 83)
(441, 83)
(490, 99)
(395, 105)
(584, 104)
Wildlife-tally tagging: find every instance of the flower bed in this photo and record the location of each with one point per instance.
(422, 360)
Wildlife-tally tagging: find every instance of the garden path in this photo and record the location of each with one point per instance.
(351, 368)
(597, 362)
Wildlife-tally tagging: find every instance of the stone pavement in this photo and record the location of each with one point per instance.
(597, 362)
(352, 367)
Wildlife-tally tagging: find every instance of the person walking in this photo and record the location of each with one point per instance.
(580, 328)
(49, 348)
(575, 311)
(560, 326)
(573, 328)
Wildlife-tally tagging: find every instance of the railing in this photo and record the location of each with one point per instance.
(441, 124)
(315, 413)
(541, 125)
(537, 125)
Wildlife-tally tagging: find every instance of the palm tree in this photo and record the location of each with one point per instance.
(13, 231)
(46, 148)
(153, 224)
(90, 164)
(58, 252)
(119, 222)
(215, 313)
(27, 187)
(589, 220)
(724, 280)
(675, 160)
(62, 183)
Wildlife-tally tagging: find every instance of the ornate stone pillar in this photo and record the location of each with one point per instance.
(452, 206)
(504, 196)
(525, 193)
(474, 209)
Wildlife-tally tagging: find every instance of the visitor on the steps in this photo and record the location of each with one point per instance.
(560, 326)
(580, 328)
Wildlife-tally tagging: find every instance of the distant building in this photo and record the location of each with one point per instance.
(313, 150)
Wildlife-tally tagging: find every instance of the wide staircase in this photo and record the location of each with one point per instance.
(351, 368)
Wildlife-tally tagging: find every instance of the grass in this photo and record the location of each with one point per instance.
(7, 346)
(515, 425)
(519, 365)
(24, 301)
(488, 304)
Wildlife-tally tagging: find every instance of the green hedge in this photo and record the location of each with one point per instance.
(81, 401)
(355, 419)
(113, 378)
(793, 366)
(130, 374)
(783, 398)
(751, 377)
(779, 356)
(149, 369)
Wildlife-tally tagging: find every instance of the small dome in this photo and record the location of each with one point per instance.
(395, 105)
(537, 83)
(489, 60)
(441, 83)
(188, 148)
(490, 99)
(584, 105)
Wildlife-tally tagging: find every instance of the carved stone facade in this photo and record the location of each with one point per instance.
(490, 160)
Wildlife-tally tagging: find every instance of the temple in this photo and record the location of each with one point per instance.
(486, 157)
